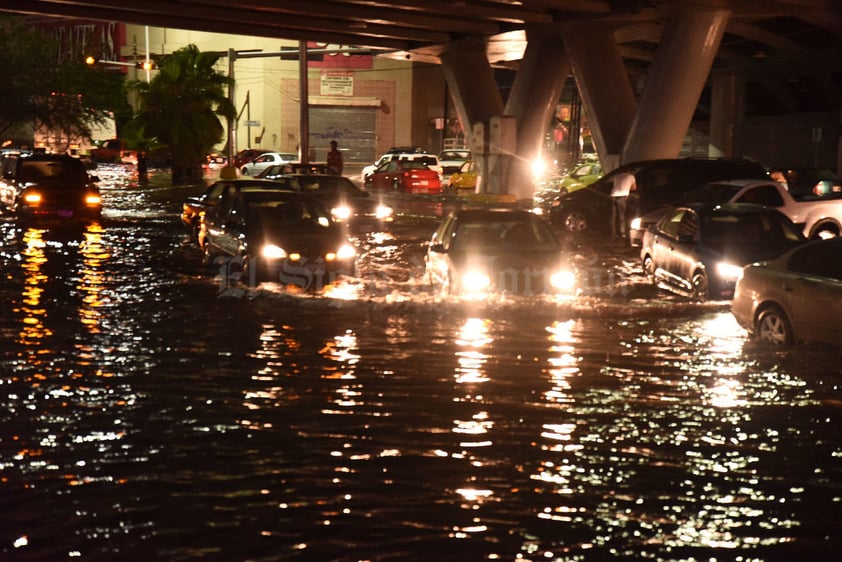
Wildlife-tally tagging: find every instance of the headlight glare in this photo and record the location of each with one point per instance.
(383, 212)
(474, 281)
(345, 252)
(636, 223)
(563, 280)
(273, 252)
(32, 198)
(341, 213)
(729, 271)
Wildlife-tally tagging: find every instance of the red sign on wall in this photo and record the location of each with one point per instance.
(336, 58)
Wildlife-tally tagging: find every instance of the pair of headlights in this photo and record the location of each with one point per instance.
(343, 212)
(33, 198)
(275, 252)
(477, 281)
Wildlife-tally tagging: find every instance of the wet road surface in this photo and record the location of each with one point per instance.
(151, 411)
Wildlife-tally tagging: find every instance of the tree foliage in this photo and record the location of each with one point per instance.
(181, 106)
(37, 89)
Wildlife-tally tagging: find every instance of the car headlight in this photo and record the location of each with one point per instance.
(563, 280)
(383, 212)
(636, 223)
(341, 213)
(32, 198)
(93, 200)
(729, 271)
(474, 281)
(345, 252)
(273, 252)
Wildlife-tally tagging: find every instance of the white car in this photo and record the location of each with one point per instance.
(265, 160)
(817, 216)
(430, 160)
(451, 160)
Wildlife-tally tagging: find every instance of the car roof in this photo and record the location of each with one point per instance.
(492, 213)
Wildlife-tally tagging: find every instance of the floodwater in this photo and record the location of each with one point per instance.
(151, 411)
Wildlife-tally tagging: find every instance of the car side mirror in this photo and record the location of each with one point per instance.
(438, 248)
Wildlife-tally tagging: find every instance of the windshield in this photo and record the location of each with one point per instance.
(63, 170)
(518, 235)
(723, 230)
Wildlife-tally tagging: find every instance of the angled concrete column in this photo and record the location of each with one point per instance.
(676, 80)
(476, 96)
(535, 93)
(471, 82)
(728, 90)
(604, 85)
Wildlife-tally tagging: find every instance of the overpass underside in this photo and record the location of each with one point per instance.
(507, 138)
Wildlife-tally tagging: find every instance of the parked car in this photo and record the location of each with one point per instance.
(818, 216)
(49, 187)
(195, 206)
(451, 161)
(581, 176)
(277, 235)
(466, 177)
(699, 250)
(265, 160)
(278, 170)
(429, 160)
(411, 176)
(796, 297)
(476, 251)
(347, 203)
(245, 156)
(809, 181)
(587, 211)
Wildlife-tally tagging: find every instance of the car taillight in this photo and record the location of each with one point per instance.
(32, 198)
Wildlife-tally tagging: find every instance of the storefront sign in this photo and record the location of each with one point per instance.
(337, 83)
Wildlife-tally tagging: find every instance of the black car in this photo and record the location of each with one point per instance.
(276, 235)
(195, 206)
(347, 203)
(699, 250)
(477, 251)
(588, 211)
(49, 187)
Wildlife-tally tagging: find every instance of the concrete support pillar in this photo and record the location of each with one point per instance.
(728, 91)
(535, 94)
(677, 76)
(604, 85)
(476, 96)
(471, 82)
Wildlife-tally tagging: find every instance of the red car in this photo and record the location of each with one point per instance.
(404, 175)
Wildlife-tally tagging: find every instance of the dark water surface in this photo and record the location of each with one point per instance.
(150, 412)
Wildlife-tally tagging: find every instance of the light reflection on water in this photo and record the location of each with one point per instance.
(145, 416)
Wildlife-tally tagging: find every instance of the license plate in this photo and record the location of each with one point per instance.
(65, 213)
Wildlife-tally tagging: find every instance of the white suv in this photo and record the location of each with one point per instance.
(430, 160)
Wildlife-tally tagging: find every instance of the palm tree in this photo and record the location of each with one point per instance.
(180, 108)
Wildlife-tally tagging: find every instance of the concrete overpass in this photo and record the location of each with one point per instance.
(642, 67)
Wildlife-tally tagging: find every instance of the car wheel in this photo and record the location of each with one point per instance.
(244, 171)
(825, 232)
(649, 268)
(575, 220)
(772, 327)
(699, 286)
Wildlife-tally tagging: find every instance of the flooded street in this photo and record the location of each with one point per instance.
(152, 411)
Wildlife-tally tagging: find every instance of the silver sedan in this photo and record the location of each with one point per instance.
(795, 297)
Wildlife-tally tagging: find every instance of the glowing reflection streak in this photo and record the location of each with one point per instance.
(94, 255)
(276, 345)
(473, 336)
(33, 330)
(564, 366)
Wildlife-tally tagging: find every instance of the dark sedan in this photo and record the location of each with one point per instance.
(478, 251)
(277, 170)
(49, 187)
(194, 207)
(277, 235)
(347, 203)
(700, 250)
(795, 297)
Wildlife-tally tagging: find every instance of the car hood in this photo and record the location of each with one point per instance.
(508, 259)
(305, 243)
